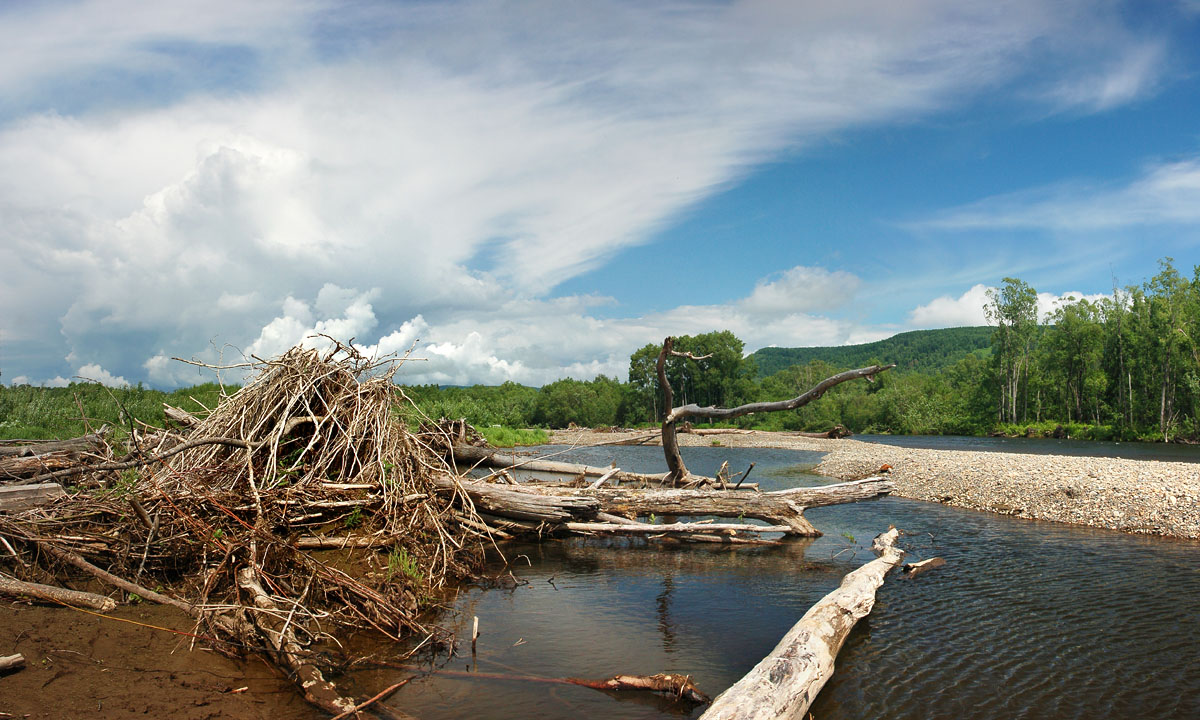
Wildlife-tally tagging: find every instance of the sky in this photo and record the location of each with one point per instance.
(533, 190)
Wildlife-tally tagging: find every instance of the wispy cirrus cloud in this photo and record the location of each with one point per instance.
(1163, 194)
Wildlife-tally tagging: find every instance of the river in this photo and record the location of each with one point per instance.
(1173, 452)
(1027, 619)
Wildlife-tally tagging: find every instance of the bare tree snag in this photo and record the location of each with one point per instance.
(49, 593)
(677, 471)
(784, 684)
(781, 507)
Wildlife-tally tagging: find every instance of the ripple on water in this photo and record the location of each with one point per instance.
(1026, 620)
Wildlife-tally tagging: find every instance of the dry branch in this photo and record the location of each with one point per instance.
(49, 593)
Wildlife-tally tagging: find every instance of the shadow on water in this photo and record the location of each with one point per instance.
(1027, 619)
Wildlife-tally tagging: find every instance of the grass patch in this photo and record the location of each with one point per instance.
(40, 413)
(510, 437)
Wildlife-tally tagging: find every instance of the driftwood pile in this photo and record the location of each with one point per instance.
(231, 514)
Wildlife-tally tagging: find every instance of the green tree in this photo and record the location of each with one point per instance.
(1073, 348)
(1012, 309)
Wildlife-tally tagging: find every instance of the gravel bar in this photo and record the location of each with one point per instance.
(1136, 496)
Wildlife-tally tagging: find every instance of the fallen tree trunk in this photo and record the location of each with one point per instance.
(25, 448)
(522, 504)
(489, 457)
(782, 507)
(784, 684)
(49, 593)
(23, 466)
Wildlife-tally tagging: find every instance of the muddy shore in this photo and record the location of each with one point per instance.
(1137, 496)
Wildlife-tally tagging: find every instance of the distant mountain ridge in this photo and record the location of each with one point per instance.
(924, 350)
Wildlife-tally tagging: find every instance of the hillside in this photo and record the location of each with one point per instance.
(925, 350)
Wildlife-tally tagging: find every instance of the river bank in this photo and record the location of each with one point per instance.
(1137, 496)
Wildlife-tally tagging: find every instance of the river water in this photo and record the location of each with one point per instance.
(1027, 619)
(1044, 446)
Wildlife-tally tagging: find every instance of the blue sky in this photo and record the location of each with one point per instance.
(528, 191)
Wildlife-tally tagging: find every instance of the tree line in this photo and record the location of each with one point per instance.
(1126, 366)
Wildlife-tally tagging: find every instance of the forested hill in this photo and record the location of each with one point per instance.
(924, 350)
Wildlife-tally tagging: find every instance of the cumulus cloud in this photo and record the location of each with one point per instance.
(967, 309)
(87, 373)
(801, 289)
(457, 164)
(946, 311)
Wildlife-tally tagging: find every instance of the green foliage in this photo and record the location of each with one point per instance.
(39, 413)
(927, 351)
(594, 403)
(401, 564)
(354, 519)
(510, 437)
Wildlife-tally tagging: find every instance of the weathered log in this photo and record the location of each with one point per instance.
(718, 431)
(23, 448)
(784, 684)
(677, 472)
(180, 417)
(289, 652)
(834, 433)
(652, 528)
(49, 593)
(522, 504)
(23, 466)
(10, 663)
(782, 507)
(22, 497)
(914, 569)
(490, 457)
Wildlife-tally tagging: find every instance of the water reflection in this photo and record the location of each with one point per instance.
(1027, 619)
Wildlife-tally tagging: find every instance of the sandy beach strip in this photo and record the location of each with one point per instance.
(1137, 496)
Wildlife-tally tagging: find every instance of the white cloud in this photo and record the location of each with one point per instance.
(967, 309)
(946, 311)
(1163, 194)
(454, 159)
(801, 289)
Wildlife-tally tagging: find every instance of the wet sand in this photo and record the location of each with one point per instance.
(80, 665)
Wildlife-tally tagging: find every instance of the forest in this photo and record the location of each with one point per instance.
(1125, 366)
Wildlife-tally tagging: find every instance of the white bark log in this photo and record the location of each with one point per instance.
(785, 683)
(49, 593)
